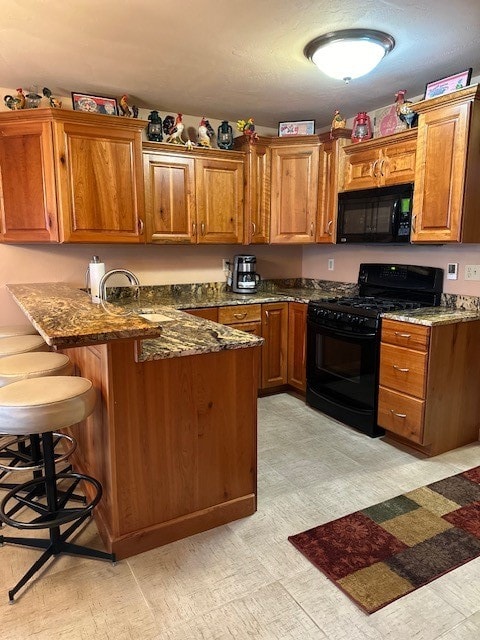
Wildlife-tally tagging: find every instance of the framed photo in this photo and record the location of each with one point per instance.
(94, 104)
(297, 128)
(447, 85)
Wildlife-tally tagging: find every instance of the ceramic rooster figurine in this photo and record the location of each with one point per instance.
(175, 133)
(15, 102)
(205, 133)
(247, 127)
(338, 122)
(124, 108)
(53, 102)
(404, 110)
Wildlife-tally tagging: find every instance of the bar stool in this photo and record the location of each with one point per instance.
(42, 405)
(12, 345)
(9, 330)
(23, 452)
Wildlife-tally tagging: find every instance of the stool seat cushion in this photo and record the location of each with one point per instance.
(22, 344)
(38, 405)
(33, 365)
(8, 330)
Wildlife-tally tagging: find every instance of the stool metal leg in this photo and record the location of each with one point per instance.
(57, 542)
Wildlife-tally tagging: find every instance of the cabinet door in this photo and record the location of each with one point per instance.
(100, 183)
(397, 165)
(297, 319)
(361, 169)
(28, 204)
(440, 174)
(208, 313)
(169, 198)
(274, 353)
(294, 194)
(219, 198)
(257, 208)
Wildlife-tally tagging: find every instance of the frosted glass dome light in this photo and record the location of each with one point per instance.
(350, 53)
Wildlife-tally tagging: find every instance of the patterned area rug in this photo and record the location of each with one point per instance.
(384, 552)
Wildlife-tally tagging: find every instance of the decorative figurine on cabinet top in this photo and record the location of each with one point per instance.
(205, 132)
(135, 110)
(362, 127)
(124, 108)
(404, 110)
(154, 128)
(248, 129)
(225, 136)
(15, 102)
(175, 133)
(338, 122)
(53, 102)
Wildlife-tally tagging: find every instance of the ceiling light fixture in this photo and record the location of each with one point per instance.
(350, 53)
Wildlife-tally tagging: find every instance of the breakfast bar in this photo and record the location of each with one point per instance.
(173, 435)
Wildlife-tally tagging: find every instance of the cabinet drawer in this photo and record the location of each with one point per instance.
(209, 313)
(401, 414)
(403, 370)
(240, 313)
(405, 334)
(250, 327)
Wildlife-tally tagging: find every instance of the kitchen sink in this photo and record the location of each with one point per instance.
(156, 318)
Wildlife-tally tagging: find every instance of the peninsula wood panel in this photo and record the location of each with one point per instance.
(170, 198)
(180, 452)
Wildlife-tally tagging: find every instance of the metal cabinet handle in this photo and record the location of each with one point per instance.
(140, 226)
(254, 228)
(403, 335)
(382, 164)
(400, 369)
(311, 229)
(414, 222)
(328, 230)
(374, 169)
(194, 228)
(398, 415)
(202, 227)
(239, 316)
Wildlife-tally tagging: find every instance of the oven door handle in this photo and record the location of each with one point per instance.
(328, 331)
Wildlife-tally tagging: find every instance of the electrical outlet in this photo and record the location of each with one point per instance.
(472, 272)
(331, 264)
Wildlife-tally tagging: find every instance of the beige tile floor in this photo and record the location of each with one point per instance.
(244, 580)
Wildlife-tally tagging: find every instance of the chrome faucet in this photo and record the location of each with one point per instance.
(132, 278)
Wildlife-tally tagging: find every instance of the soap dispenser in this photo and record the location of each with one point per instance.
(96, 270)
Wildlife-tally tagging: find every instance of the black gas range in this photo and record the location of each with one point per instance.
(343, 339)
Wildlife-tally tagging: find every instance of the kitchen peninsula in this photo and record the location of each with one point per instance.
(173, 435)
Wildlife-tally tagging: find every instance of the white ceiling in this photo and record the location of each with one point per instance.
(230, 58)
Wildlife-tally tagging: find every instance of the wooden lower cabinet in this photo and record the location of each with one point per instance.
(208, 313)
(275, 347)
(174, 448)
(428, 394)
(297, 321)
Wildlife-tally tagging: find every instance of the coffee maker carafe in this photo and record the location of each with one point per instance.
(244, 277)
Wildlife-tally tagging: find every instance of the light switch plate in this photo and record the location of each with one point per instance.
(452, 271)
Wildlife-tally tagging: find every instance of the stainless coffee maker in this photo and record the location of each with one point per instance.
(244, 277)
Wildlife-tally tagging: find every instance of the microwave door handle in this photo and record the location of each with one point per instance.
(395, 216)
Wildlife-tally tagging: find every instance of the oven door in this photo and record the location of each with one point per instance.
(342, 375)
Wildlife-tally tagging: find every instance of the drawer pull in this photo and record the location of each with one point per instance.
(403, 370)
(239, 316)
(398, 415)
(403, 335)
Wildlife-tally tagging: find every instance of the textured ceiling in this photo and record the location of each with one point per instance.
(227, 58)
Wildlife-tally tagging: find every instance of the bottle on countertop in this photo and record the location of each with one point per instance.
(96, 270)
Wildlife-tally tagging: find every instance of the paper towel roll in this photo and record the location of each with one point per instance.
(96, 271)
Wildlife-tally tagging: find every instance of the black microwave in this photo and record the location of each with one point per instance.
(383, 214)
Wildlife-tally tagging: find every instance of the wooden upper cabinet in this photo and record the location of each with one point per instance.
(70, 177)
(100, 178)
(219, 189)
(380, 162)
(169, 198)
(28, 205)
(329, 176)
(257, 189)
(447, 185)
(294, 190)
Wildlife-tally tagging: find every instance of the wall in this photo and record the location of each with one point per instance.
(152, 264)
(347, 259)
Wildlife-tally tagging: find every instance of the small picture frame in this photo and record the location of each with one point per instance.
(94, 104)
(448, 85)
(296, 128)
